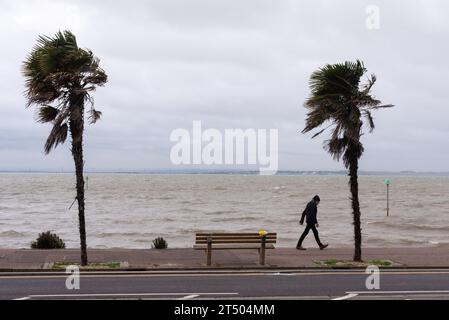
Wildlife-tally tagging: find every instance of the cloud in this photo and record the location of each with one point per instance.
(229, 64)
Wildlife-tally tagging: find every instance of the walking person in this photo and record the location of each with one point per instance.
(310, 214)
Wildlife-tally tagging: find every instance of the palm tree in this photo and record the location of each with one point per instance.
(58, 72)
(339, 100)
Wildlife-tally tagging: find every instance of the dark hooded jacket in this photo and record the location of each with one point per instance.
(310, 213)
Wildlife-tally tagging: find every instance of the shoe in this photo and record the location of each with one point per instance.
(324, 246)
(301, 248)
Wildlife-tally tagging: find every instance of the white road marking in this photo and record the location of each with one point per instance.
(399, 292)
(280, 274)
(192, 296)
(109, 274)
(131, 294)
(214, 273)
(346, 297)
(23, 298)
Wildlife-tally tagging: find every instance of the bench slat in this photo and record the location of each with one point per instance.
(232, 247)
(230, 242)
(232, 234)
(237, 240)
(234, 238)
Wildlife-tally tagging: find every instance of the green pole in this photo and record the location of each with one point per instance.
(387, 182)
(388, 200)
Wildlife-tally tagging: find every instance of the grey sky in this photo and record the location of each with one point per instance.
(232, 64)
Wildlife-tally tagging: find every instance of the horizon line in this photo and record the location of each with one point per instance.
(232, 171)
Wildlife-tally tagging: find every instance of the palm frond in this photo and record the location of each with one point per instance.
(336, 147)
(371, 81)
(60, 73)
(315, 119)
(95, 115)
(340, 78)
(385, 106)
(57, 65)
(57, 135)
(318, 133)
(338, 97)
(370, 118)
(47, 114)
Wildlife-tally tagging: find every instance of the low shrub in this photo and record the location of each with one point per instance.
(159, 243)
(48, 240)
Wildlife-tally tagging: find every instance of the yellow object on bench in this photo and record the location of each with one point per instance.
(235, 241)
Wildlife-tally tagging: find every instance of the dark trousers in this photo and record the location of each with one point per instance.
(306, 232)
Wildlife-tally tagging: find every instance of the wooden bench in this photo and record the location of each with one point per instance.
(234, 241)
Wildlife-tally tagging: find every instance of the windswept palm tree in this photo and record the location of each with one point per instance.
(60, 73)
(339, 100)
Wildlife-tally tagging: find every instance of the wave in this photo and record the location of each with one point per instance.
(11, 234)
(160, 198)
(220, 212)
(242, 219)
(187, 202)
(370, 240)
(124, 234)
(409, 226)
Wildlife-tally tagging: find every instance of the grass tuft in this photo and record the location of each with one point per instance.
(99, 265)
(333, 263)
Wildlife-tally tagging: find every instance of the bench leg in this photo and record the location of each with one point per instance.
(262, 251)
(262, 257)
(209, 252)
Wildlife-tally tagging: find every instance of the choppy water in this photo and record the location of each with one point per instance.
(129, 210)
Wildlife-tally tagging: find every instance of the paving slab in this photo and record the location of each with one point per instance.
(186, 258)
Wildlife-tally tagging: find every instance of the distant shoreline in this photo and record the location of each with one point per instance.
(237, 172)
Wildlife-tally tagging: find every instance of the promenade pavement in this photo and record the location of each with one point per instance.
(186, 258)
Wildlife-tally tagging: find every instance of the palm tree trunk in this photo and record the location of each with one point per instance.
(354, 185)
(76, 131)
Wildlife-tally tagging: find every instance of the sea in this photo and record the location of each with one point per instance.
(129, 210)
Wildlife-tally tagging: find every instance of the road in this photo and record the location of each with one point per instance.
(339, 285)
